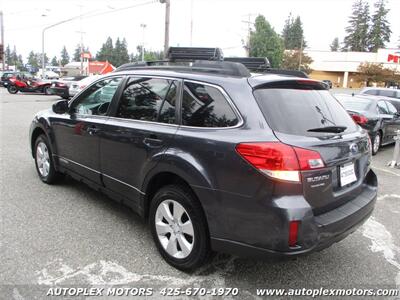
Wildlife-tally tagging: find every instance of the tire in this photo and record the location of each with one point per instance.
(173, 239)
(44, 162)
(376, 143)
(12, 89)
(46, 90)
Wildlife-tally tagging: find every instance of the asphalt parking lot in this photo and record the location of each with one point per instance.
(69, 235)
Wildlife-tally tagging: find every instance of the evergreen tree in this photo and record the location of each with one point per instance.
(39, 59)
(54, 61)
(335, 45)
(292, 34)
(77, 53)
(33, 59)
(13, 57)
(64, 56)
(265, 42)
(106, 51)
(7, 55)
(20, 63)
(380, 32)
(357, 30)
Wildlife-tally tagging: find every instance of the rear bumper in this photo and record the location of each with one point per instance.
(317, 232)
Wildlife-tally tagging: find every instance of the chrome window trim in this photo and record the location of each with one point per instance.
(93, 170)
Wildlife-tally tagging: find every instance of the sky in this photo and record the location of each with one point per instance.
(216, 23)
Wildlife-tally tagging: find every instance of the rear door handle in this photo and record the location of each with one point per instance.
(152, 141)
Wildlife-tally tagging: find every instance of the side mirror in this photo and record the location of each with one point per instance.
(60, 107)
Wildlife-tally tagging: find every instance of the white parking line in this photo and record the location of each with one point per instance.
(386, 171)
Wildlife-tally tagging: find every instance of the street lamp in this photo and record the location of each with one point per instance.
(143, 27)
(166, 34)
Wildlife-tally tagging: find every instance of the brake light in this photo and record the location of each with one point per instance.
(360, 119)
(293, 233)
(280, 161)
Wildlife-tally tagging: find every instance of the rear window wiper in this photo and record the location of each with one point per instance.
(333, 129)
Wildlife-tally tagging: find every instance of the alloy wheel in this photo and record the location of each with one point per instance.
(43, 159)
(377, 142)
(174, 229)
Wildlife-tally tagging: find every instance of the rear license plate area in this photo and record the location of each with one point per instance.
(347, 174)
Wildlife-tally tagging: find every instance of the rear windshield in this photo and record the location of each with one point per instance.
(295, 111)
(356, 104)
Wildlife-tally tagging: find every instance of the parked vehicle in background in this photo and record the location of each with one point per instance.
(28, 85)
(375, 91)
(61, 86)
(5, 77)
(76, 87)
(376, 115)
(328, 83)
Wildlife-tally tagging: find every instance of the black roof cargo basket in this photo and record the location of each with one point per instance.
(216, 67)
(252, 63)
(194, 53)
(294, 73)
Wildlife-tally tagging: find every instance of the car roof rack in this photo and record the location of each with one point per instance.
(194, 53)
(209, 60)
(255, 64)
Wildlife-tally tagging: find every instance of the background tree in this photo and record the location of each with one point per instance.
(293, 34)
(356, 38)
(33, 59)
(335, 45)
(64, 56)
(291, 61)
(106, 51)
(380, 32)
(265, 42)
(54, 61)
(77, 52)
(372, 72)
(14, 57)
(120, 52)
(39, 59)
(20, 63)
(7, 55)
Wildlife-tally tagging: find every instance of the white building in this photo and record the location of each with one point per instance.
(340, 67)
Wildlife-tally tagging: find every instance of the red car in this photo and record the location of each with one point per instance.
(18, 84)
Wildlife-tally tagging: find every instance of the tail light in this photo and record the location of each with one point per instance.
(293, 233)
(280, 161)
(360, 119)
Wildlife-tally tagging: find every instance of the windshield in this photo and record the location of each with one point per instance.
(296, 111)
(355, 104)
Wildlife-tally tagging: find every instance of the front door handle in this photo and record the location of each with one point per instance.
(92, 130)
(152, 142)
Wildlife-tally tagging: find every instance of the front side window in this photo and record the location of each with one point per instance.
(206, 106)
(97, 98)
(149, 99)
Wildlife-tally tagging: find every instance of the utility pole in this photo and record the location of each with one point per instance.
(143, 28)
(2, 40)
(249, 23)
(191, 23)
(167, 18)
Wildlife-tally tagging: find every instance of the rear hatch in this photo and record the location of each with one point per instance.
(303, 114)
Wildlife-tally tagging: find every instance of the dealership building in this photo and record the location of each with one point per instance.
(341, 67)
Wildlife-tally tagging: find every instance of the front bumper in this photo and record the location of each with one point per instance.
(316, 232)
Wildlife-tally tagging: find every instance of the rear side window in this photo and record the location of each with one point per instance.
(149, 99)
(391, 108)
(383, 108)
(386, 93)
(371, 92)
(206, 106)
(295, 111)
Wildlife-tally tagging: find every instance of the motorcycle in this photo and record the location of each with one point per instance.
(28, 86)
